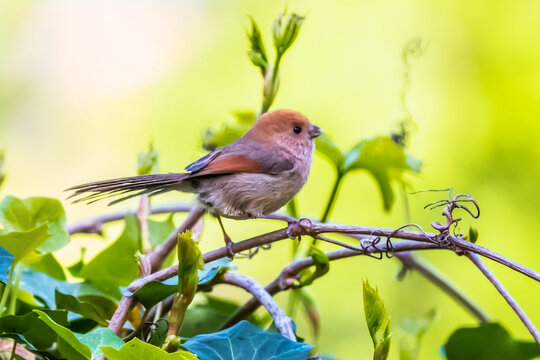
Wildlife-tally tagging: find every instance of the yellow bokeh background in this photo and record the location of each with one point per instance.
(84, 86)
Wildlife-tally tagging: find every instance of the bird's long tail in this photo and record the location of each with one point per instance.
(130, 187)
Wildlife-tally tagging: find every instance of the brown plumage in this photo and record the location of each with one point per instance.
(256, 174)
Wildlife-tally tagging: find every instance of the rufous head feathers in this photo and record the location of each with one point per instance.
(284, 127)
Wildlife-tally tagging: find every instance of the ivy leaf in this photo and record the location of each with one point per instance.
(148, 161)
(49, 265)
(32, 328)
(116, 265)
(153, 292)
(41, 286)
(6, 258)
(212, 269)
(378, 322)
(329, 149)
(137, 349)
(18, 215)
(22, 244)
(384, 160)
(68, 344)
(208, 317)
(245, 341)
(257, 53)
(86, 309)
(488, 341)
(98, 338)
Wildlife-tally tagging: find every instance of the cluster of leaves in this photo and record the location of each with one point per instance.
(56, 318)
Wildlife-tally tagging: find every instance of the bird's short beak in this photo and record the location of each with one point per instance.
(314, 131)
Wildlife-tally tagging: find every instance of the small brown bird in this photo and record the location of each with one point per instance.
(255, 175)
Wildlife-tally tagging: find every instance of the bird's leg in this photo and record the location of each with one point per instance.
(228, 241)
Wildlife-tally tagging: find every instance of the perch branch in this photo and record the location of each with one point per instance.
(282, 321)
(505, 294)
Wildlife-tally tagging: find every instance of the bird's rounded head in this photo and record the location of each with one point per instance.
(286, 128)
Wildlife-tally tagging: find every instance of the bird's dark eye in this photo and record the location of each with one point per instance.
(297, 129)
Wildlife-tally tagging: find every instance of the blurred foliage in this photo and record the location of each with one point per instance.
(488, 341)
(148, 161)
(409, 349)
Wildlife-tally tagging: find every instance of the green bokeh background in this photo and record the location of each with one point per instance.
(84, 86)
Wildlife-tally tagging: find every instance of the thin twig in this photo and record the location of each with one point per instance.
(281, 320)
(93, 225)
(90, 224)
(158, 256)
(505, 294)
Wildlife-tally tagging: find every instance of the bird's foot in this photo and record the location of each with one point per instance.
(229, 245)
(297, 228)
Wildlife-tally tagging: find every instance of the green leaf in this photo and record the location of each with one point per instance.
(75, 269)
(384, 160)
(18, 215)
(229, 131)
(148, 161)
(49, 265)
(285, 31)
(488, 341)
(87, 310)
(257, 53)
(328, 148)
(32, 328)
(378, 322)
(22, 244)
(189, 262)
(160, 230)
(68, 344)
(417, 327)
(116, 265)
(99, 338)
(153, 292)
(210, 316)
(414, 164)
(322, 266)
(42, 287)
(137, 349)
(6, 258)
(159, 332)
(472, 236)
(249, 341)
